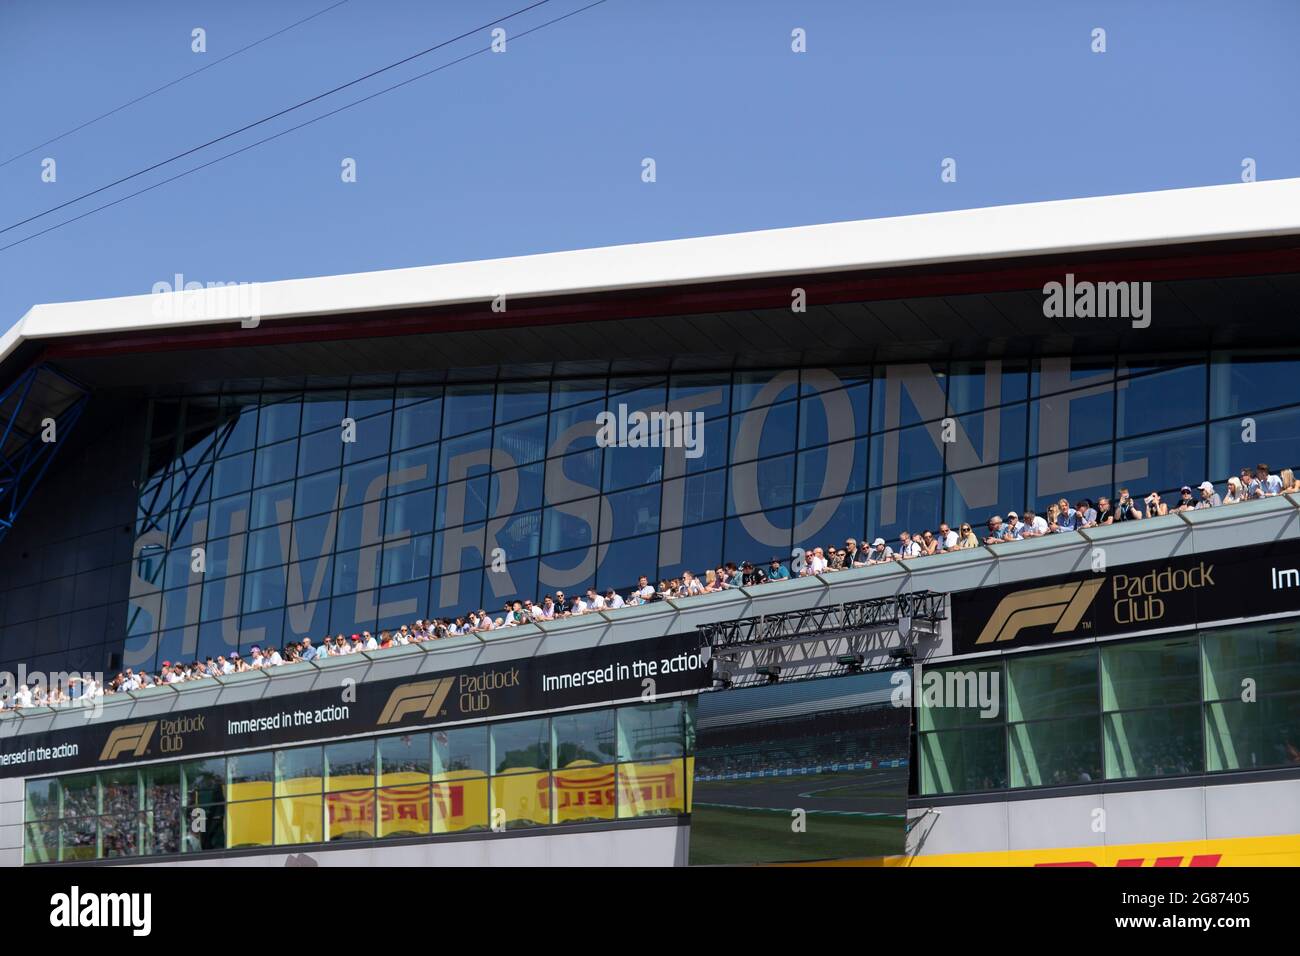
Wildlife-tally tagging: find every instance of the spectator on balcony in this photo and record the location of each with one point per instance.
(1250, 486)
(996, 531)
(1269, 483)
(880, 552)
(1105, 512)
(691, 584)
(644, 589)
(1014, 528)
(614, 600)
(1185, 501)
(594, 601)
(752, 576)
(1126, 509)
(816, 563)
(1154, 506)
(947, 537)
(1290, 484)
(834, 559)
(907, 548)
(1086, 514)
(1066, 519)
(776, 571)
(929, 544)
(1035, 526)
(966, 539)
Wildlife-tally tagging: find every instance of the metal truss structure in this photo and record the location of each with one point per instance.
(822, 641)
(37, 412)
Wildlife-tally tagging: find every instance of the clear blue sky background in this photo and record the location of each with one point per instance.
(540, 148)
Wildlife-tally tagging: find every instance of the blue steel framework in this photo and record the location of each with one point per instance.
(22, 469)
(303, 533)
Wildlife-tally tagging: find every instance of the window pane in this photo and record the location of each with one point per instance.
(963, 761)
(42, 799)
(298, 820)
(350, 765)
(522, 745)
(1150, 674)
(651, 730)
(1163, 742)
(1244, 382)
(524, 797)
(249, 824)
(649, 789)
(403, 811)
(460, 804)
(584, 739)
(404, 759)
(584, 794)
(1268, 655)
(119, 836)
(1052, 685)
(1245, 735)
(461, 750)
(204, 781)
(1162, 401)
(81, 796)
(297, 771)
(351, 815)
(80, 839)
(1055, 752)
(952, 696)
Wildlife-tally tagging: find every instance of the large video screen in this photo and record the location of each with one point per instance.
(802, 771)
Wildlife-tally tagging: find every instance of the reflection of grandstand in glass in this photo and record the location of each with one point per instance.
(806, 770)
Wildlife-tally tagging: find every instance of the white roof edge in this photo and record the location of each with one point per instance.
(1176, 216)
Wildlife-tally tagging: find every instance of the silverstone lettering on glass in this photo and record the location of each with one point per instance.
(406, 521)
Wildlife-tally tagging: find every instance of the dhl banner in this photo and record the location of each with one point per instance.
(1234, 851)
(1181, 591)
(615, 673)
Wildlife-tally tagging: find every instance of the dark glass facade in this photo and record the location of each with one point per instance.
(267, 515)
(587, 767)
(1170, 706)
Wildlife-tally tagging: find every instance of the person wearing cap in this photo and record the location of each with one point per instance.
(1014, 528)
(776, 571)
(1209, 497)
(753, 575)
(880, 552)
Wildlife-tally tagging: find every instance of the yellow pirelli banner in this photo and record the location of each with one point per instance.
(1237, 851)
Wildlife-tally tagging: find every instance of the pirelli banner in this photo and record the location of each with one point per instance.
(615, 673)
(1199, 589)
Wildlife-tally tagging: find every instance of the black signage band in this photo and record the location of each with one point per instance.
(647, 669)
(1184, 591)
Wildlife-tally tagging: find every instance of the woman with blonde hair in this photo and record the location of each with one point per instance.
(1290, 484)
(966, 537)
(1235, 493)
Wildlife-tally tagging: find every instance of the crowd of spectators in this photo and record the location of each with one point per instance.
(1059, 517)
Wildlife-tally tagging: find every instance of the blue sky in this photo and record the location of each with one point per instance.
(540, 148)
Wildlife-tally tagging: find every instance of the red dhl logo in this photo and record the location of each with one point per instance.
(598, 790)
(359, 807)
(1204, 859)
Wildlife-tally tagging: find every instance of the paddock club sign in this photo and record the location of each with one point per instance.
(600, 675)
(1176, 592)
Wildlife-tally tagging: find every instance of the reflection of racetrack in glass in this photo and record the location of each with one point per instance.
(854, 791)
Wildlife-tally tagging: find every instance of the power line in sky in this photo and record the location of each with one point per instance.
(167, 86)
(276, 115)
(291, 129)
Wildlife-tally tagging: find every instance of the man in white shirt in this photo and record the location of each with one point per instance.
(1036, 526)
(23, 698)
(274, 659)
(907, 548)
(369, 641)
(1269, 483)
(577, 605)
(613, 600)
(691, 584)
(594, 601)
(644, 590)
(947, 537)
